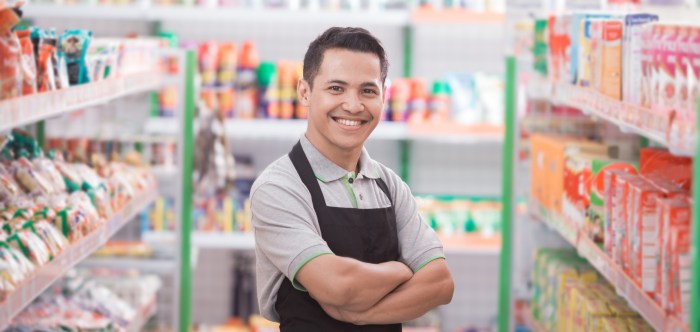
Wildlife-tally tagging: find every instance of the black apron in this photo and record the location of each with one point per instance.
(368, 235)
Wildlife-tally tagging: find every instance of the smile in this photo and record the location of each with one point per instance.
(350, 123)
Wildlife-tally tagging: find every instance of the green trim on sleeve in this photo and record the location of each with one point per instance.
(320, 178)
(428, 261)
(294, 275)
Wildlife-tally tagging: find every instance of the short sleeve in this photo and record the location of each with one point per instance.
(418, 243)
(285, 228)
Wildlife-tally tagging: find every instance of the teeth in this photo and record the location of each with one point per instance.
(348, 122)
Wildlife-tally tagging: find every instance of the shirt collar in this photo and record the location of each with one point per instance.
(327, 171)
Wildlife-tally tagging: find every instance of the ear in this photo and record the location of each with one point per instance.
(304, 92)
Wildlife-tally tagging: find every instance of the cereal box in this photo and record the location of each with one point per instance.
(680, 271)
(644, 235)
(596, 54)
(668, 55)
(559, 43)
(655, 76)
(632, 59)
(621, 213)
(674, 212)
(600, 211)
(578, 179)
(611, 59)
(647, 66)
(585, 51)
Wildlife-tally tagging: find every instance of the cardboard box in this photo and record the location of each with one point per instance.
(674, 212)
(632, 59)
(644, 235)
(611, 60)
(621, 214)
(578, 181)
(681, 264)
(604, 177)
(668, 55)
(647, 64)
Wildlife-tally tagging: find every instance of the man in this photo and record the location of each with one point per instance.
(339, 242)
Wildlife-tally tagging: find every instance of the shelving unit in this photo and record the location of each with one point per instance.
(455, 244)
(600, 106)
(31, 108)
(386, 130)
(151, 12)
(44, 276)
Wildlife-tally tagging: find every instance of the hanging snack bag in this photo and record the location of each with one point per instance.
(73, 46)
(46, 73)
(10, 69)
(27, 62)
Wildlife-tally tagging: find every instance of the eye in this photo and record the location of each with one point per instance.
(370, 91)
(335, 88)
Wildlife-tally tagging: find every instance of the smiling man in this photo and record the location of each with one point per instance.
(340, 245)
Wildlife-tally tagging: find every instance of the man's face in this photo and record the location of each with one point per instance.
(346, 102)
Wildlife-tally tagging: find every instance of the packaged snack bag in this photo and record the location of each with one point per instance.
(54, 240)
(25, 241)
(73, 47)
(49, 171)
(28, 63)
(208, 63)
(71, 223)
(32, 182)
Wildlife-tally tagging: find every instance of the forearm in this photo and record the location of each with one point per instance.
(430, 287)
(350, 284)
(372, 282)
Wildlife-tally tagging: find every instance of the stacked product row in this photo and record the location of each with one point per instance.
(38, 60)
(570, 296)
(91, 301)
(48, 202)
(238, 85)
(639, 209)
(652, 66)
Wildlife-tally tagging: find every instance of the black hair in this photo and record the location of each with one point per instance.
(354, 39)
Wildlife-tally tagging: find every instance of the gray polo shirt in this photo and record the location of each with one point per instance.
(287, 233)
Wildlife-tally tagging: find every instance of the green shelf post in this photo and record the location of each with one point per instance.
(405, 155)
(41, 133)
(504, 301)
(695, 276)
(407, 50)
(186, 164)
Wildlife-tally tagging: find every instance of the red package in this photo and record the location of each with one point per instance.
(45, 79)
(644, 229)
(622, 212)
(681, 264)
(661, 163)
(674, 212)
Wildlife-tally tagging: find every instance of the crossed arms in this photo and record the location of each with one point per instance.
(386, 293)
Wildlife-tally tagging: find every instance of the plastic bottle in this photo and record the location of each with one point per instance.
(287, 89)
(301, 111)
(400, 91)
(268, 96)
(418, 104)
(246, 82)
(208, 66)
(439, 105)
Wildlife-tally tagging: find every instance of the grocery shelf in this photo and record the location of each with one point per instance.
(471, 244)
(143, 315)
(31, 108)
(456, 16)
(148, 265)
(386, 130)
(594, 103)
(205, 240)
(624, 285)
(198, 13)
(44, 276)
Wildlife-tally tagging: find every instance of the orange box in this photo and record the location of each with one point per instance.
(548, 161)
(643, 234)
(611, 60)
(674, 212)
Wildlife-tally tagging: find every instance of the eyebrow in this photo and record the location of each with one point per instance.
(365, 84)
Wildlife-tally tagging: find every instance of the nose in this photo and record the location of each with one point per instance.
(353, 104)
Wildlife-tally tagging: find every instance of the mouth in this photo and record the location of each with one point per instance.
(349, 123)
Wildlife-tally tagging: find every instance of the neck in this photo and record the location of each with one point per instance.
(348, 159)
